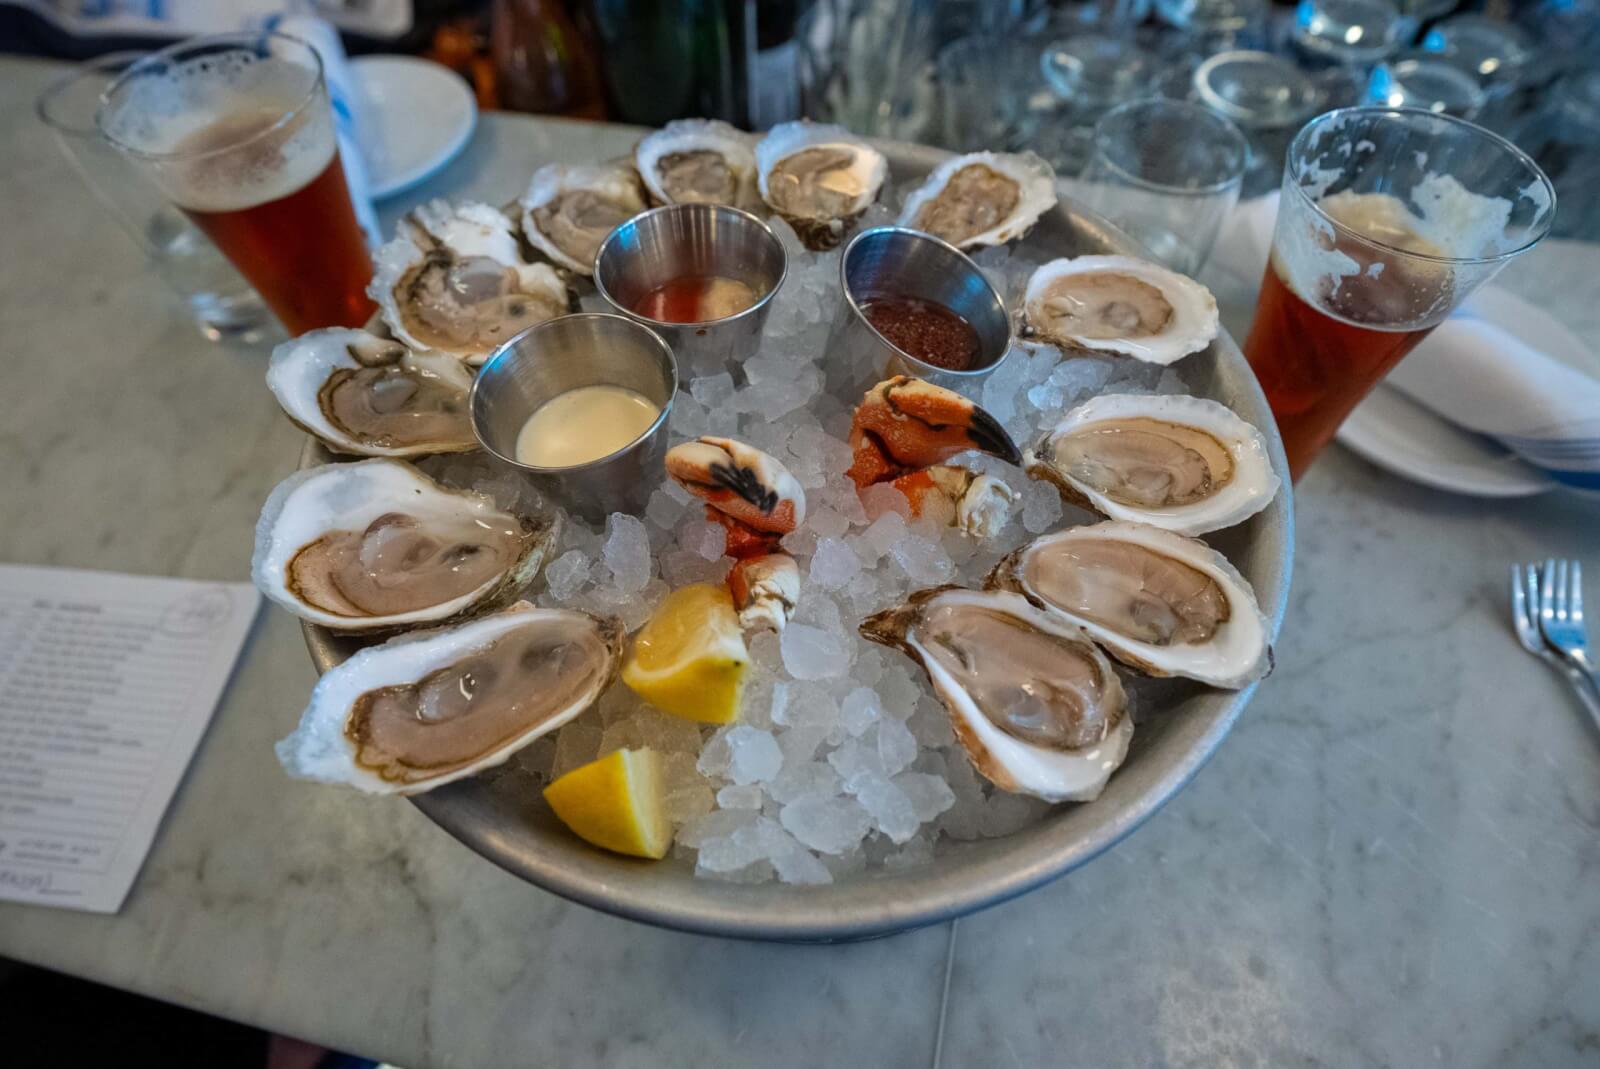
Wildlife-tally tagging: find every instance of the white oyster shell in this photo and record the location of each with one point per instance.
(452, 237)
(821, 208)
(349, 497)
(611, 195)
(731, 182)
(1119, 304)
(1185, 464)
(1056, 774)
(299, 368)
(1236, 652)
(320, 749)
(981, 219)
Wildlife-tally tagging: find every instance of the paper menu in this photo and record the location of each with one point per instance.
(107, 683)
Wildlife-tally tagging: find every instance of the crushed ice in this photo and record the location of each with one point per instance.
(843, 761)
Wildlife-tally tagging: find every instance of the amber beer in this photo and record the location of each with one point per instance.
(1339, 309)
(303, 252)
(1315, 367)
(238, 132)
(1388, 219)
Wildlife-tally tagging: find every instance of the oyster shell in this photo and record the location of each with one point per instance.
(1181, 463)
(569, 210)
(423, 710)
(377, 545)
(372, 396)
(819, 178)
(699, 161)
(1117, 304)
(982, 198)
(1038, 709)
(1158, 601)
(455, 280)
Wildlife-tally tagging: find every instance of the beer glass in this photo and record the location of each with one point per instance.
(223, 305)
(1389, 218)
(237, 132)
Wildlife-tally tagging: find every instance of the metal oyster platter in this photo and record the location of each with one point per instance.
(499, 817)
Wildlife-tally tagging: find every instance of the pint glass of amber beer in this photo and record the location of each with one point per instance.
(237, 132)
(1388, 219)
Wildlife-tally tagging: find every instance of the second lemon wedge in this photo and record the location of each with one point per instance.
(690, 659)
(615, 803)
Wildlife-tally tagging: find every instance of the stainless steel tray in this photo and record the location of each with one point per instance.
(501, 819)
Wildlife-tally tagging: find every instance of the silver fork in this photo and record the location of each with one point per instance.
(1561, 612)
(1526, 599)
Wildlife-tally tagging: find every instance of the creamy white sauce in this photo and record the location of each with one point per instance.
(583, 425)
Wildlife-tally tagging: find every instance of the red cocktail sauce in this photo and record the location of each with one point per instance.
(696, 299)
(926, 330)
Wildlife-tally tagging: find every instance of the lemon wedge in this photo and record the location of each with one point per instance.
(690, 659)
(614, 802)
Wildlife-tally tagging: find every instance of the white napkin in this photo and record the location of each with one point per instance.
(1471, 372)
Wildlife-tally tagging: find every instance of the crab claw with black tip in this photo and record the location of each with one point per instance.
(740, 481)
(905, 424)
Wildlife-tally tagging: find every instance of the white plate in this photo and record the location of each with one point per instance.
(1401, 436)
(421, 115)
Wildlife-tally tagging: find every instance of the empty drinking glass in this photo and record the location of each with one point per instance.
(1168, 172)
(1088, 75)
(1499, 56)
(1204, 27)
(1351, 33)
(223, 304)
(1266, 96)
(1428, 82)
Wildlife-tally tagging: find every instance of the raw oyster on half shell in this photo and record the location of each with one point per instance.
(1118, 304)
(367, 395)
(455, 280)
(1182, 463)
(1155, 600)
(422, 710)
(1038, 709)
(819, 178)
(569, 210)
(377, 545)
(982, 198)
(699, 161)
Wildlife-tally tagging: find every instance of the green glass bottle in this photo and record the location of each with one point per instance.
(667, 59)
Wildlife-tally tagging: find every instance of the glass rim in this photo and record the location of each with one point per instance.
(1292, 175)
(76, 73)
(1238, 113)
(213, 41)
(1101, 134)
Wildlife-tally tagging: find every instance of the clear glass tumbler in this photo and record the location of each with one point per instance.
(224, 306)
(1267, 97)
(1350, 33)
(1168, 172)
(237, 131)
(1389, 219)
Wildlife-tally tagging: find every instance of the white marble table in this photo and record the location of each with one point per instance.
(1394, 860)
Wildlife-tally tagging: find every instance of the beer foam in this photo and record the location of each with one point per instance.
(222, 128)
(1350, 280)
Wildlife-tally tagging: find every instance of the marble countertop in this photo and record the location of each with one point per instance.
(1391, 861)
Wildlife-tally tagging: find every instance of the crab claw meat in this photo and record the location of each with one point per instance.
(765, 590)
(905, 424)
(983, 503)
(740, 540)
(739, 481)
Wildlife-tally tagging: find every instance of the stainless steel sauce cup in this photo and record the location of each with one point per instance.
(550, 358)
(694, 240)
(892, 261)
